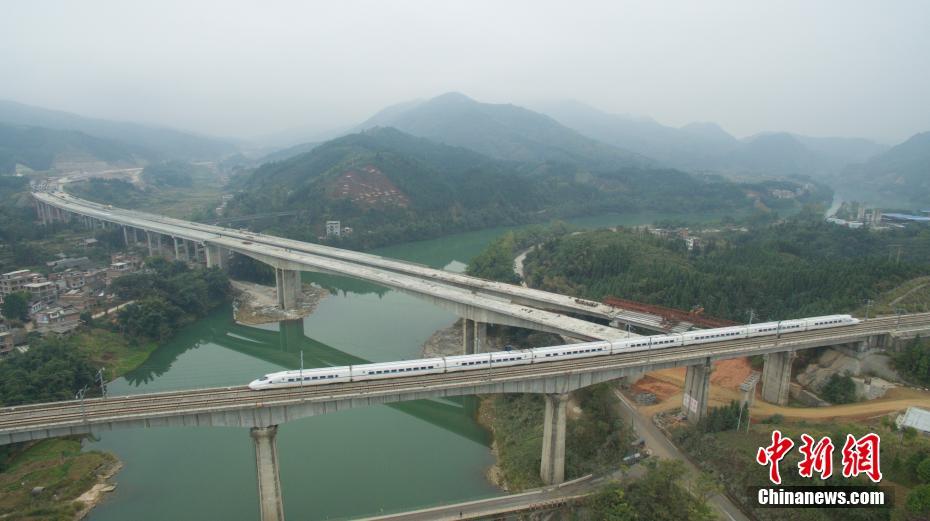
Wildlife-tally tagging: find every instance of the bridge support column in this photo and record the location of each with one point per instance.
(697, 389)
(40, 212)
(552, 466)
(148, 242)
(126, 235)
(216, 256)
(266, 463)
(177, 249)
(776, 377)
(474, 336)
(288, 286)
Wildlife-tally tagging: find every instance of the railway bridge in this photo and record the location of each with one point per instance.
(263, 411)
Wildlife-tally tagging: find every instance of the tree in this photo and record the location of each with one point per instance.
(16, 306)
(49, 371)
(610, 504)
(917, 505)
(923, 471)
(839, 389)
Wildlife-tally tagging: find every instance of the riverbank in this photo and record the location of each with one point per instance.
(53, 479)
(256, 304)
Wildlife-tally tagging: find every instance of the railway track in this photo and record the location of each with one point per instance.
(42, 416)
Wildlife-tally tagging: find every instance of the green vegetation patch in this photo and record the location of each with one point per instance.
(596, 441)
(803, 267)
(59, 467)
(112, 351)
(662, 494)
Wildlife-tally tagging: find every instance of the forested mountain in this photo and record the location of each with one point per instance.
(42, 148)
(901, 175)
(164, 142)
(803, 267)
(707, 147)
(390, 186)
(502, 131)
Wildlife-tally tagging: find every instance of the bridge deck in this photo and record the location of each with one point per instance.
(461, 299)
(520, 294)
(239, 406)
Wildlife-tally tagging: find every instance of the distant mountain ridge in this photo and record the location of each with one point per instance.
(165, 143)
(899, 176)
(40, 148)
(707, 147)
(501, 131)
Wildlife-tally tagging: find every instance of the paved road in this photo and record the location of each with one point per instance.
(662, 447)
(533, 500)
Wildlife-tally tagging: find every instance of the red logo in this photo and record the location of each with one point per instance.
(773, 454)
(860, 456)
(817, 458)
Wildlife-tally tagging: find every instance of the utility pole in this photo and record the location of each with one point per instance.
(101, 382)
(752, 315)
(739, 419)
(80, 396)
(301, 367)
(868, 306)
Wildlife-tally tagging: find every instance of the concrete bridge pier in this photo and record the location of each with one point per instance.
(474, 336)
(776, 377)
(552, 466)
(126, 236)
(148, 242)
(288, 284)
(266, 465)
(696, 391)
(216, 256)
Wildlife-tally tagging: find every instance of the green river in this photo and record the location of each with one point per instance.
(353, 463)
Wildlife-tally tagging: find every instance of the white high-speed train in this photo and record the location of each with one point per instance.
(449, 364)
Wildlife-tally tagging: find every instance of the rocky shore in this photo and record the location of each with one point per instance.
(257, 304)
(98, 492)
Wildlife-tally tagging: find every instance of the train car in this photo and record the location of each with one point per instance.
(663, 341)
(551, 354)
(791, 326)
(395, 369)
(317, 376)
(763, 329)
(493, 359)
(714, 335)
(829, 321)
(637, 343)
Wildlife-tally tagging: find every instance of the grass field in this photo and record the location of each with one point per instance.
(112, 351)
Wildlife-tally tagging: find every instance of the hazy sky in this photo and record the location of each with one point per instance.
(248, 68)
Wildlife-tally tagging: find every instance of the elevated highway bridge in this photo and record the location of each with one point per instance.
(191, 239)
(49, 201)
